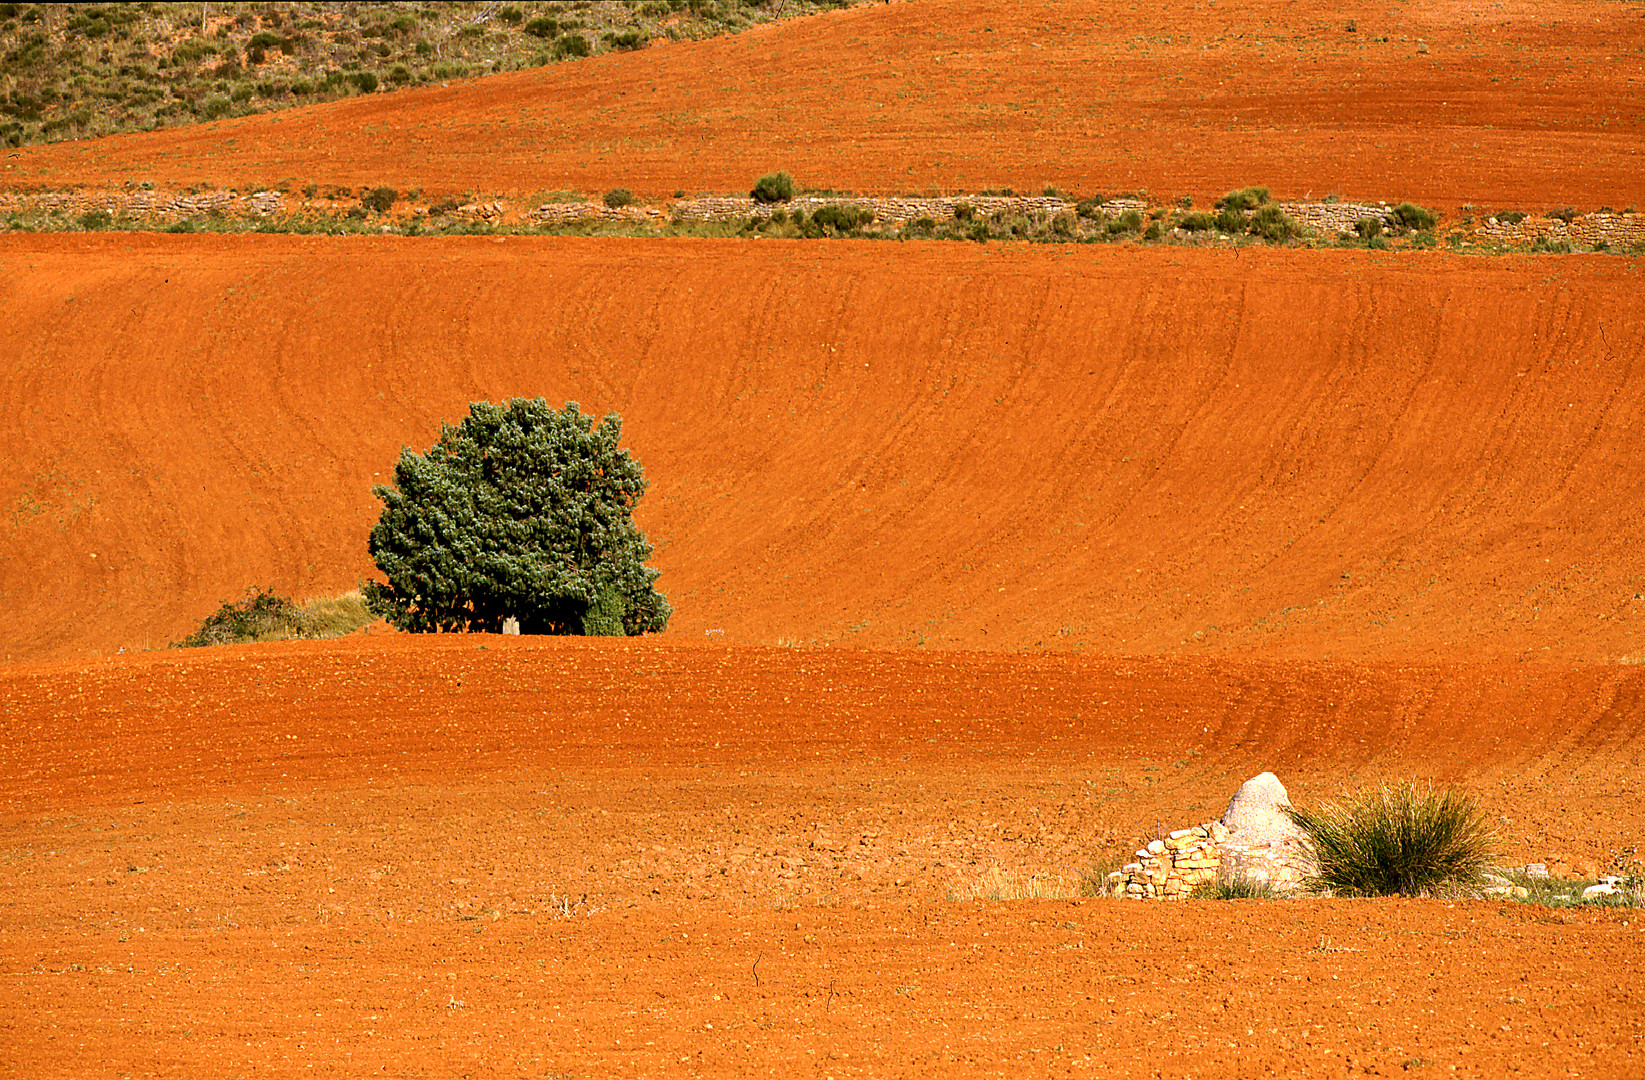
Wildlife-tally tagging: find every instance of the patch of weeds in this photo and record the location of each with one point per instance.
(378, 200)
(261, 615)
(1229, 886)
(618, 197)
(996, 884)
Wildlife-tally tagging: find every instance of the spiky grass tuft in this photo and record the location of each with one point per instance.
(1398, 841)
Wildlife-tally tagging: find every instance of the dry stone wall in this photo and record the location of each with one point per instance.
(1602, 229)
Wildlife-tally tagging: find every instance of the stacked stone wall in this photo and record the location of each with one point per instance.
(1172, 868)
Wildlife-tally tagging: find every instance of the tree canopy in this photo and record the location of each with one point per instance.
(519, 510)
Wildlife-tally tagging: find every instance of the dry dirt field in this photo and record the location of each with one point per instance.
(989, 562)
(1499, 103)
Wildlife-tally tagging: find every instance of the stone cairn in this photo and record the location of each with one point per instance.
(1253, 840)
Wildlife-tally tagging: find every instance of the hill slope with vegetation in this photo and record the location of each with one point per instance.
(76, 71)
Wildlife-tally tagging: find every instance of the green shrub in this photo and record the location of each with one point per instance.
(842, 217)
(627, 40)
(378, 200)
(1512, 217)
(1272, 223)
(94, 220)
(1377, 243)
(618, 197)
(511, 15)
(1090, 209)
(1196, 221)
(1397, 841)
(399, 74)
(215, 107)
(965, 211)
(1368, 227)
(773, 188)
(1229, 220)
(1567, 214)
(1128, 222)
(364, 81)
(571, 45)
(543, 27)
(1244, 199)
(1411, 216)
(925, 224)
(518, 510)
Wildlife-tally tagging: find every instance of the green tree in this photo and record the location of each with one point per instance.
(518, 510)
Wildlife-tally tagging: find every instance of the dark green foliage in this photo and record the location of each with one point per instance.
(399, 73)
(1567, 214)
(1229, 220)
(93, 220)
(1196, 221)
(1399, 840)
(773, 188)
(257, 616)
(364, 81)
(627, 40)
(511, 15)
(1128, 222)
(1368, 227)
(378, 200)
(1512, 217)
(1273, 224)
(571, 45)
(1244, 199)
(842, 217)
(544, 28)
(965, 211)
(618, 197)
(518, 510)
(1411, 216)
(1090, 209)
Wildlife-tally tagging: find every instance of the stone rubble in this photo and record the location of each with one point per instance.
(1254, 841)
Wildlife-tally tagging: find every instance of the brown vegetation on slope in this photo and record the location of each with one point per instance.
(1519, 104)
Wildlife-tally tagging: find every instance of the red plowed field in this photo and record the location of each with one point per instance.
(1119, 527)
(1265, 453)
(490, 856)
(1529, 104)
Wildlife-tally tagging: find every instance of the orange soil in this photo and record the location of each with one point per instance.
(1267, 453)
(1173, 517)
(1529, 104)
(490, 856)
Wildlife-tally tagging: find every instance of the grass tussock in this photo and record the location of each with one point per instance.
(261, 615)
(1398, 840)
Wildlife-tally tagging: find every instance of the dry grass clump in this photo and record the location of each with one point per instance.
(998, 884)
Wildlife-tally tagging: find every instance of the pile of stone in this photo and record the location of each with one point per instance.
(1255, 840)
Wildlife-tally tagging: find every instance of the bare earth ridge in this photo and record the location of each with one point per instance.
(1112, 528)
